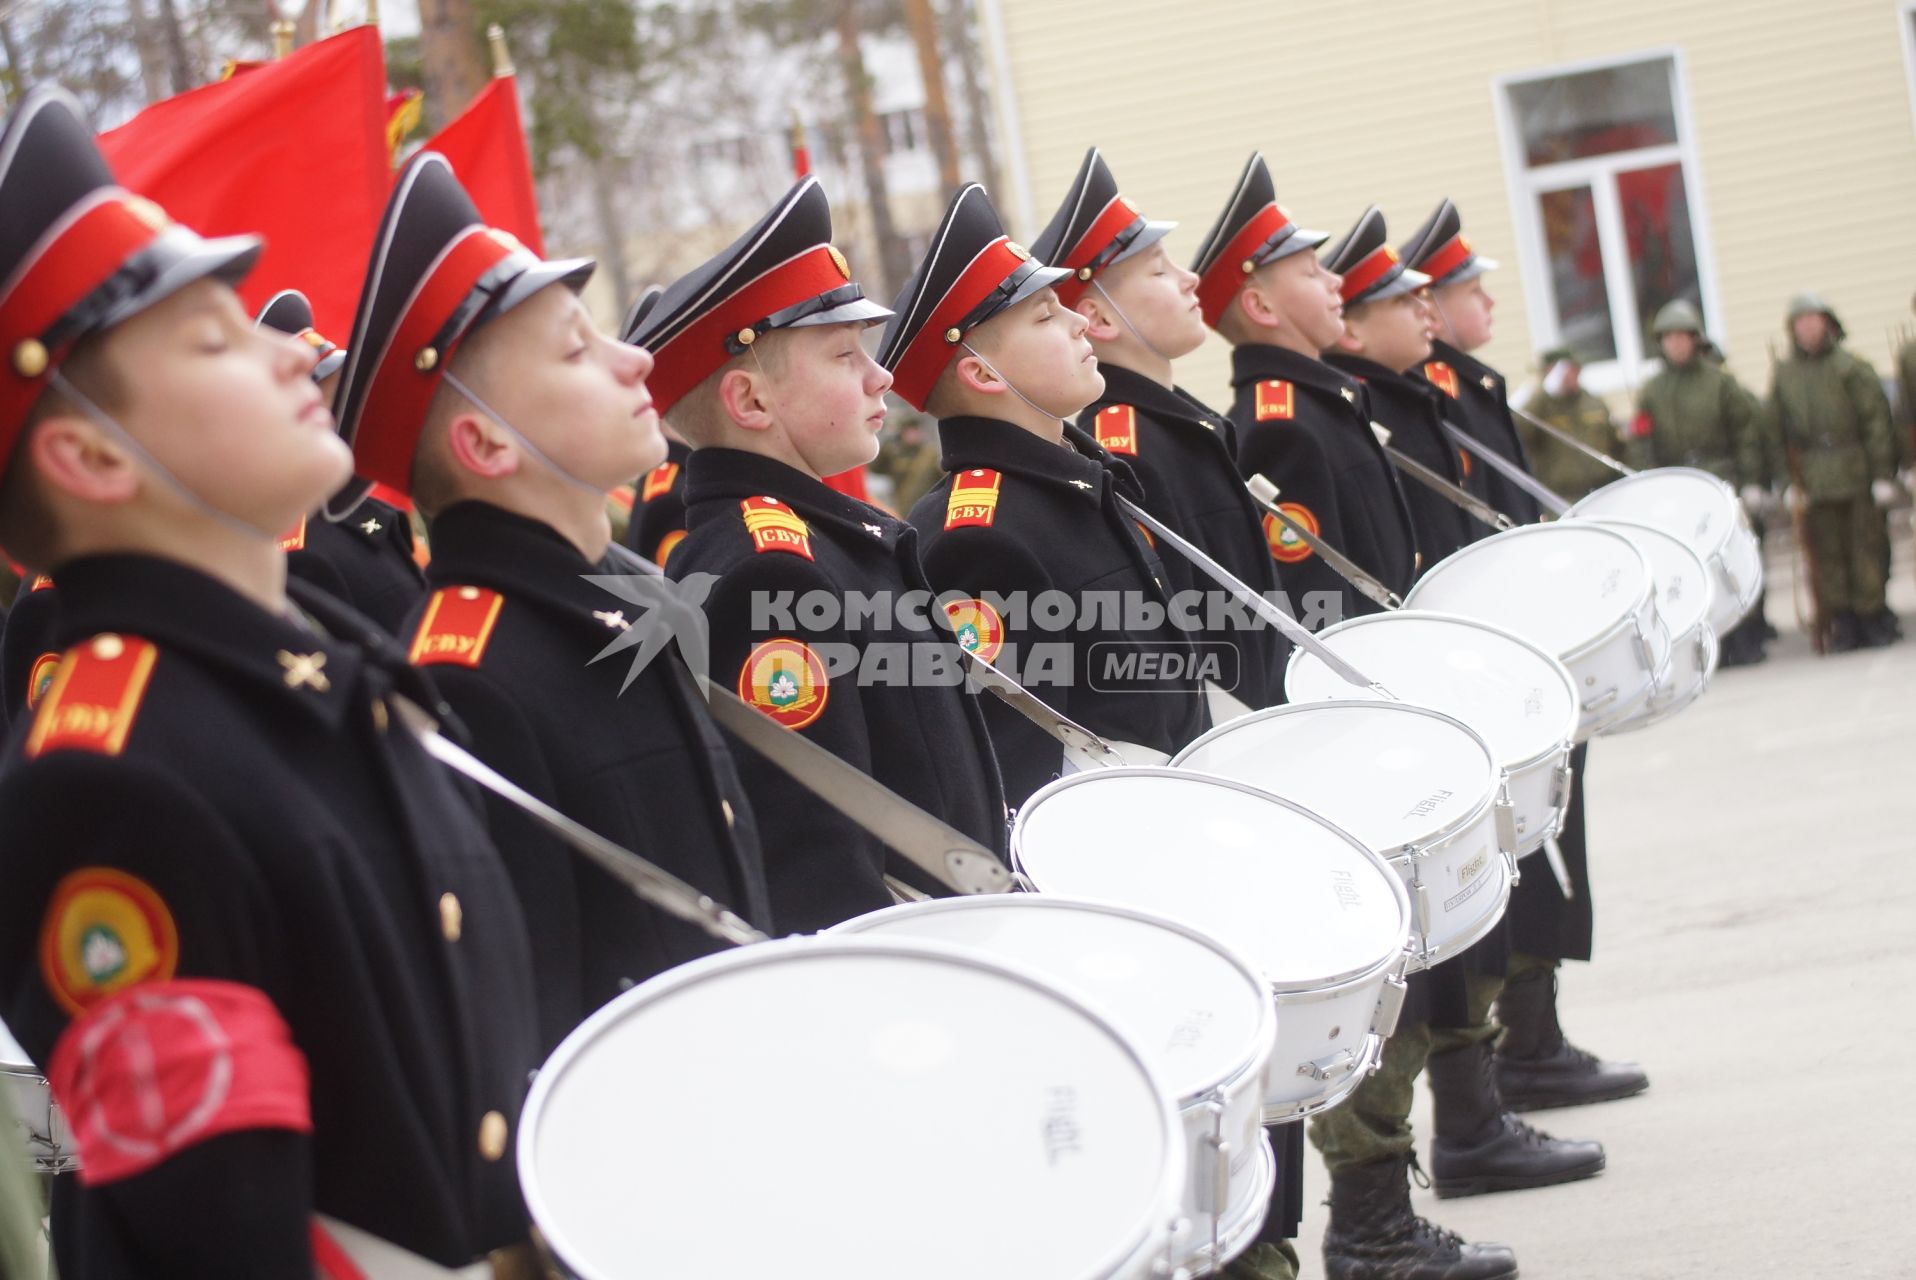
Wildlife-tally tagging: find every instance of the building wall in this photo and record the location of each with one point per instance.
(1800, 114)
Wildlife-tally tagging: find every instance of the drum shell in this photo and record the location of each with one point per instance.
(1539, 792)
(1731, 553)
(1693, 661)
(40, 1127)
(1223, 1113)
(1146, 1252)
(1618, 673)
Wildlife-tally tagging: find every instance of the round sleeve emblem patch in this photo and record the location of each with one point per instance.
(786, 680)
(666, 546)
(1286, 546)
(104, 930)
(978, 627)
(40, 677)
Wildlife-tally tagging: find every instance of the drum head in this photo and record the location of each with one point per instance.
(848, 1107)
(1519, 698)
(1561, 586)
(1684, 502)
(1303, 901)
(1197, 1010)
(1682, 580)
(1389, 773)
(11, 1054)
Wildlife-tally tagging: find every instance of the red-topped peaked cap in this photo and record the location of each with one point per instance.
(1093, 229)
(437, 273)
(1251, 232)
(972, 272)
(291, 312)
(1440, 250)
(78, 253)
(784, 273)
(1372, 270)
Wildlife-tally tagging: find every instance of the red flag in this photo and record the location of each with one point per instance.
(486, 147)
(294, 150)
(851, 484)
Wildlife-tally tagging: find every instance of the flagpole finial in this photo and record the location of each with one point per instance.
(372, 13)
(283, 30)
(501, 56)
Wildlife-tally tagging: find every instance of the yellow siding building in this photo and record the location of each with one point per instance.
(1574, 135)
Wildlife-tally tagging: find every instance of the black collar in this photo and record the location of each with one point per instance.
(1256, 361)
(1469, 368)
(1168, 404)
(1079, 464)
(717, 479)
(478, 544)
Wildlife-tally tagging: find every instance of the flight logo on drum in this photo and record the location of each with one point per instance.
(1344, 889)
(1429, 804)
(1062, 1136)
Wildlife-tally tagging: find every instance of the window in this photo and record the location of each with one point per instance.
(903, 130)
(1906, 24)
(1604, 178)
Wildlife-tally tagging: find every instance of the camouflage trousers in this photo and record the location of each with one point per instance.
(1374, 1122)
(1848, 543)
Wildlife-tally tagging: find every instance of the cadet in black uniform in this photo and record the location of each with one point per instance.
(1385, 341)
(356, 547)
(760, 367)
(981, 341)
(509, 442)
(1300, 422)
(1143, 313)
(1307, 427)
(1536, 1064)
(1478, 399)
(262, 943)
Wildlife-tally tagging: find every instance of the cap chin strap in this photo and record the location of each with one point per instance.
(1011, 386)
(1135, 332)
(103, 420)
(518, 436)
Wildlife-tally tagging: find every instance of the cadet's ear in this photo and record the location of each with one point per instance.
(75, 457)
(480, 447)
(975, 375)
(1101, 324)
(742, 393)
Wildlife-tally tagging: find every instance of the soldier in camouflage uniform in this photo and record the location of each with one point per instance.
(1562, 402)
(1828, 419)
(1694, 413)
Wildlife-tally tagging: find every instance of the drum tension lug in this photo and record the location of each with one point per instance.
(1390, 1003)
(1506, 821)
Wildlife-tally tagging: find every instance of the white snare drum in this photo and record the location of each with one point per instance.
(1519, 698)
(868, 1107)
(1323, 918)
(26, 1102)
(1683, 595)
(1580, 592)
(1416, 786)
(1703, 511)
(1196, 1009)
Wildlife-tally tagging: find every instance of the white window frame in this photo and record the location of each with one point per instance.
(1906, 28)
(1526, 184)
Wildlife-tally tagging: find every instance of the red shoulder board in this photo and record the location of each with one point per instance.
(1276, 400)
(296, 540)
(974, 499)
(456, 627)
(1118, 429)
(622, 497)
(776, 527)
(658, 480)
(94, 696)
(666, 545)
(40, 582)
(1442, 377)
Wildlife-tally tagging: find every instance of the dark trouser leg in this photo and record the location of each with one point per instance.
(1272, 1256)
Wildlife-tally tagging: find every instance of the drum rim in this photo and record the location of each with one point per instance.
(1399, 894)
(1579, 510)
(1145, 1235)
(1571, 717)
(1643, 591)
(1703, 566)
(1450, 829)
(1263, 1037)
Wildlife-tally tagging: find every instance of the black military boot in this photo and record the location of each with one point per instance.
(1537, 1067)
(1480, 1146)
(1878, 629)
(1844, 634)
(1373, 1235)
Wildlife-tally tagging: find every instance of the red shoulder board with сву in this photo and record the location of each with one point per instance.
(658, 480)
(457, 624)
(1117, 427)
(776, 527)
(974, 499)
(1275, 400)
(94, 696)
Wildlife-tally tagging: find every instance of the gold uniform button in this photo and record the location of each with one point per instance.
(452, 917)
(492, 1136)
(725, 807)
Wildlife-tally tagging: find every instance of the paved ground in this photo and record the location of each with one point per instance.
(1755, 864)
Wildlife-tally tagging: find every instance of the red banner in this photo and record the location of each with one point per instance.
(486, 147)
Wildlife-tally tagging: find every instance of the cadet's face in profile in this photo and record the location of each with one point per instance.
(1394, 331)
(1040, 347)
(230, 410)
(1160, 298)
(829, 396)
(1465, 310)
(574, 391)
(1306, 294)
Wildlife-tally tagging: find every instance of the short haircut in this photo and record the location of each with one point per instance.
(700, 416)
(28, 529)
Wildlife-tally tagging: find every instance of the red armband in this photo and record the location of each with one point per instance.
(158, 1067)
(1641, 425)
